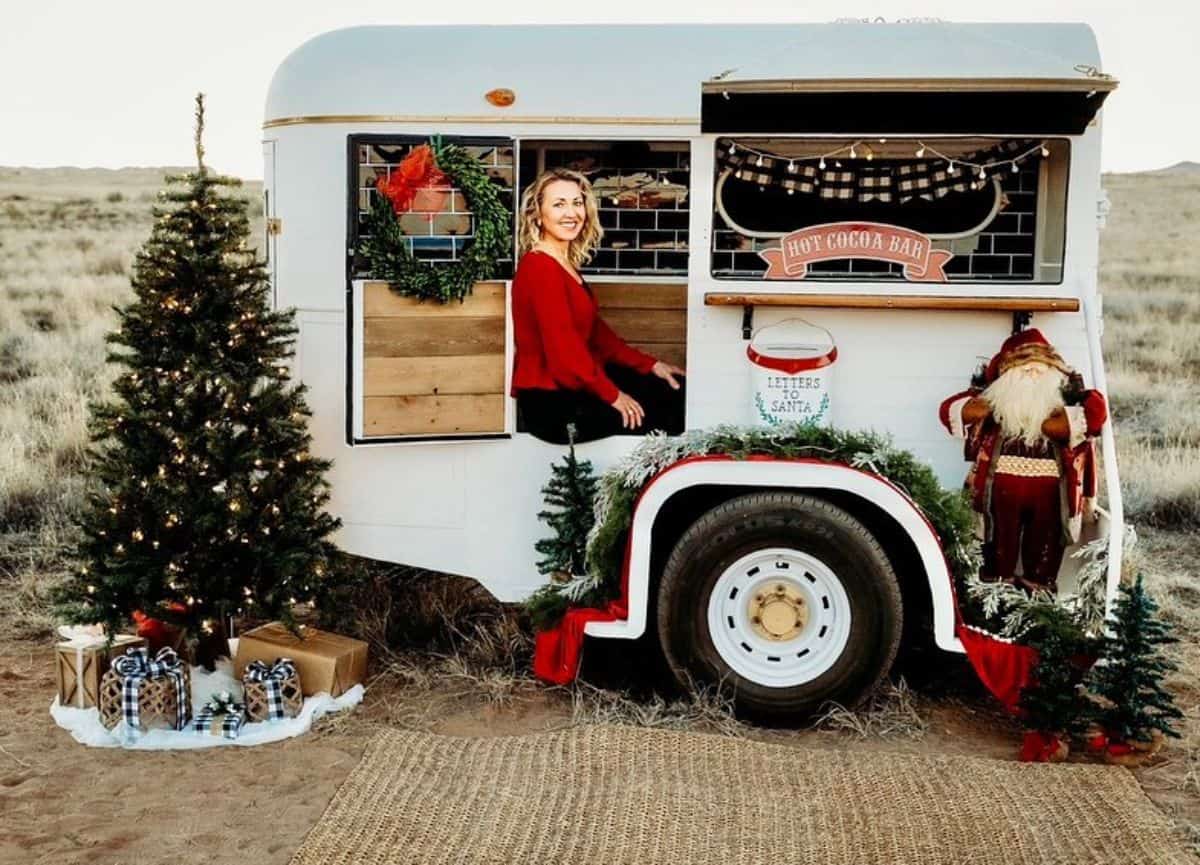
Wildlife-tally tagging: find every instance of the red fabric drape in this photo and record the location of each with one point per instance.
(1004, 668)
(557, 650)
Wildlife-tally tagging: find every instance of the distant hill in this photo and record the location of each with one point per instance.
(1185, 167)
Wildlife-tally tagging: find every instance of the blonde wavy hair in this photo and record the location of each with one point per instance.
(529, 232)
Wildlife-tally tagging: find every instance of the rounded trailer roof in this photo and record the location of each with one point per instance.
(639, 71)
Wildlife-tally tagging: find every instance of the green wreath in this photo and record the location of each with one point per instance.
(387, 252)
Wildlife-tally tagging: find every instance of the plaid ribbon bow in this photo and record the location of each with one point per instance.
(136, 667)
(223, 704)
(273, 678)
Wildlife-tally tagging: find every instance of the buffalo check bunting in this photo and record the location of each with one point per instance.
(897, 181)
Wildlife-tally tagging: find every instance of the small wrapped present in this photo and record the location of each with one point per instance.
(326, 662)
(146, 693)
(272, 692)
(221, 716)
(81, 663)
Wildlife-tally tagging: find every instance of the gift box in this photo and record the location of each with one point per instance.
(82, 662)
(147, 693)
(326, 662)
(272, 691)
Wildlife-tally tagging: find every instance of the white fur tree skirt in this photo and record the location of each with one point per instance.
(84, 724)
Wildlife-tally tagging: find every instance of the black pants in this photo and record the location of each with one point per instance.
(546, 413)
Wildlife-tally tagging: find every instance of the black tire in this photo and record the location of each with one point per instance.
(809, 525)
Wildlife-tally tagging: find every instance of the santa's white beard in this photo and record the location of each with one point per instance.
(1020, 403)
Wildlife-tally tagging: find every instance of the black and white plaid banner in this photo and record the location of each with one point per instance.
(854, 180)
(223, 706)
(273, 678)
(136, 667)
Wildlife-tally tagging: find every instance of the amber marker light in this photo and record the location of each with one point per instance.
(501, 97)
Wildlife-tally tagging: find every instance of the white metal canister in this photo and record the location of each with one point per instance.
(792, 364)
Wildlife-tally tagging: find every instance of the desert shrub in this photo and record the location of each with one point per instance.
(111, 264)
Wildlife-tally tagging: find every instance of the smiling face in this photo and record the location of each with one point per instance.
(563, 210)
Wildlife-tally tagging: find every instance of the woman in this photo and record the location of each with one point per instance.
(569, 366)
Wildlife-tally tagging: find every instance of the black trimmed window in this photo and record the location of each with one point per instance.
(434, 237)
(642, 190)
(1008, 226)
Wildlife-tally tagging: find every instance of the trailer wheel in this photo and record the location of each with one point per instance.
(782, 598)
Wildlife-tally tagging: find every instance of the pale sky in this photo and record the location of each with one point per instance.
(111, 84)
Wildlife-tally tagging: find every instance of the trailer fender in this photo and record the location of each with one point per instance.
(769, 473)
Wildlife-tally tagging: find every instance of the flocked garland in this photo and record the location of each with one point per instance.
(386, 248)
(948, 511)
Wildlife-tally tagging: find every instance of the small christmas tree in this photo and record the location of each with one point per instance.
(1052, 705)
(571, 490)
(208, 502)
(1130, 678)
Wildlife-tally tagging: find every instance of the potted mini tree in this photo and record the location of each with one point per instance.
(1134, 711)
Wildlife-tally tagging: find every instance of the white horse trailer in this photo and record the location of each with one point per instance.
(673, 123)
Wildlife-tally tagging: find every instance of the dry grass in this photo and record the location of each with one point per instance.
(892, 711)
(1150, 278)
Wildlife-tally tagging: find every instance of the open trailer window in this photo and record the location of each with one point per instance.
(642, 197)
(423, 370)
(880, 209)
(640, 267)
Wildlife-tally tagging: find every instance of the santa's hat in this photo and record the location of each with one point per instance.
(1021, 348)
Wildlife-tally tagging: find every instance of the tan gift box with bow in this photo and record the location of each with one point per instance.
(326, 661)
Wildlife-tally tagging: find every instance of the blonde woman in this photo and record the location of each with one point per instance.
(570, 367)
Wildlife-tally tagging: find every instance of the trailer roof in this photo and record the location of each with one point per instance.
(641, 71)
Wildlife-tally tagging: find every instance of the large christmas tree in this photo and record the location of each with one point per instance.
(208, 503)
(1130, 677)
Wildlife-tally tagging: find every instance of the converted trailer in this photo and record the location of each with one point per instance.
(968, 153)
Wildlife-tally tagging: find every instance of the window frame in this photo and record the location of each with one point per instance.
(884, 285)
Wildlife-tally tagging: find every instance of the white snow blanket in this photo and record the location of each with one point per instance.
(84, 724)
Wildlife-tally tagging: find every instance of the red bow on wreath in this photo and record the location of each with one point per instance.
(416, 184)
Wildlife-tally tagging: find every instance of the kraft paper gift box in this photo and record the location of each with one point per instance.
(82, 662)
(325, 661)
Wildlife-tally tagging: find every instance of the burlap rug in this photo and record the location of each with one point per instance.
(610, 795)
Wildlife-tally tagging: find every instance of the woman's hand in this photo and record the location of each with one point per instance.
(667, 372)
(631, 411)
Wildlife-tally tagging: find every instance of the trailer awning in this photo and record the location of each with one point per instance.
(865, 106)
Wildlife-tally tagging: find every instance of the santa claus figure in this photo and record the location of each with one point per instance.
(1029, 438)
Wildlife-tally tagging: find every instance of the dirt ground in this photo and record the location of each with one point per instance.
(61, 802)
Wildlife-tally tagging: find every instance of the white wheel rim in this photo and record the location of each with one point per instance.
(787, 653)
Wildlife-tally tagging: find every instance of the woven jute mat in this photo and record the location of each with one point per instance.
(609, 795)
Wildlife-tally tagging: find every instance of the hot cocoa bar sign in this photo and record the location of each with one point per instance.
(868, 240)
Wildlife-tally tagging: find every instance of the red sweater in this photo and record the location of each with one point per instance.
(560, 339)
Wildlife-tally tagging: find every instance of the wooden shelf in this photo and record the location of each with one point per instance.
(892, 301)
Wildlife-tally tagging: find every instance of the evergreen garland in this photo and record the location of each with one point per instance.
(207, 501)
(948, 511)
(386, 246)
(1130, 678)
